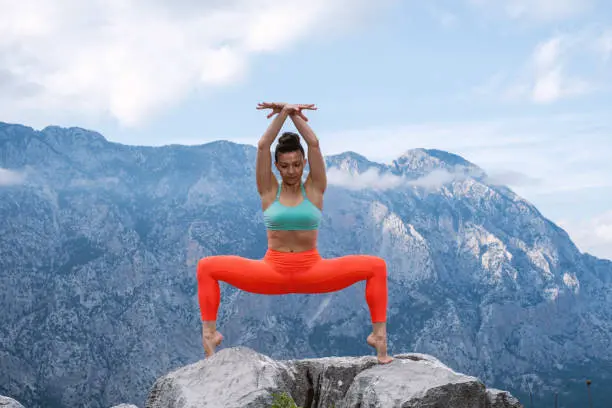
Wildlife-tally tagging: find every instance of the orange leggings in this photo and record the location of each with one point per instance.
(292, 272)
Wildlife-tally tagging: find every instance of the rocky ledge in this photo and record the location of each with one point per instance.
(239, 377)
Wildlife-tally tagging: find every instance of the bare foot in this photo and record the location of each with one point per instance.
(210, 342)
(380, 344)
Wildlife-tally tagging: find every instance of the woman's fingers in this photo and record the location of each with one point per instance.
(293, 109)
(280, 105)
(310, 106)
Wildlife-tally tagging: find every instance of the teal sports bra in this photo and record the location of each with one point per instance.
(304, 216)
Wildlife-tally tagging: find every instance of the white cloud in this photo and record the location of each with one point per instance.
(373, 179)
(435, 179)
(10, 177)
(593, 235)
(560, 67)
(369, 179)
(132, 59)
(550, 81)
(541, 10)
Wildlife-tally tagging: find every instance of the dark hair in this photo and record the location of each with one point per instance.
(288, 142)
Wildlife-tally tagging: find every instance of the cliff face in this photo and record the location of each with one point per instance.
(99, 242)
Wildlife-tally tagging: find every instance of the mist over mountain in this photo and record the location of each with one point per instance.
(99, 243)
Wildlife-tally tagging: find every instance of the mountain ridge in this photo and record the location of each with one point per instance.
(75, 132)
(100, 243)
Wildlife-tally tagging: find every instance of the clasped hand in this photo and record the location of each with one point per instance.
(291, 109)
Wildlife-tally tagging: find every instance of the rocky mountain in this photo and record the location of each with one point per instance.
(99, 242)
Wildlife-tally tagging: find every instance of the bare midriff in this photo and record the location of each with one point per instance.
(292, 241)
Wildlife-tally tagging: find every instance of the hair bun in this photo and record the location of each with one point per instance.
(289, 139)
(288, 142)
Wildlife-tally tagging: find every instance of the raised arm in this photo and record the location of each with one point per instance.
(266, 181)
(317, 174)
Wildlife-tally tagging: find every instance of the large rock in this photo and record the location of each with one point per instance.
(240, 377)
(7, 402)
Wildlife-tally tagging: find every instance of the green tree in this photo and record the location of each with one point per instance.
(283, 400)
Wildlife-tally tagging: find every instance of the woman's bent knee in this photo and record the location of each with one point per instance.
(379, 265)
(204, 267)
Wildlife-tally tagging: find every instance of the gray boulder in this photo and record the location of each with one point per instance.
(240, 377)
(501, 399)
(7, 402)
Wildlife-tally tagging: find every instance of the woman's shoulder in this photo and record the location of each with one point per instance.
(313, 194)
(309, 186)
(268, 197)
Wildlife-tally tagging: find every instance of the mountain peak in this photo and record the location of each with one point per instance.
(55, 135)
(9, 130)
(350, 161)
(71, 135)
(423, 161)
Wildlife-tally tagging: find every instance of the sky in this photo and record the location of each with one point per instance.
(521, 88)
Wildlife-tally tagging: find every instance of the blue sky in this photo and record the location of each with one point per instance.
(522, 88)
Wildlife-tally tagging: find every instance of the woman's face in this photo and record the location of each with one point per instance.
(291, 167)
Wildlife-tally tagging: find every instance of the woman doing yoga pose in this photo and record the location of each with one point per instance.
(292, 213)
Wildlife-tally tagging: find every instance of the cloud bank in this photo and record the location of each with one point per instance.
(132, 59)
(374, 179)
(369, 179)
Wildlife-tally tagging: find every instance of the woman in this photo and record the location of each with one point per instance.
(292, 212)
